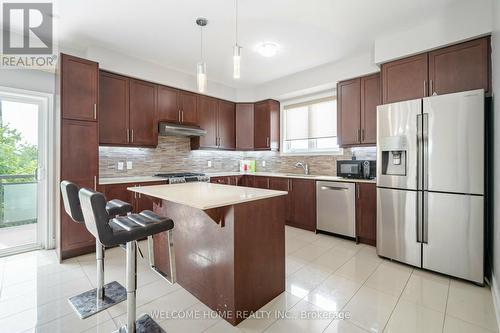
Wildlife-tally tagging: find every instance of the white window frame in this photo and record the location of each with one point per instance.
(304, 99)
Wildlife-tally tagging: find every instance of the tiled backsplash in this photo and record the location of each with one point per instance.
(174, 154)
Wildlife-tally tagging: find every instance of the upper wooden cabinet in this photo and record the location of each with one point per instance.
(357, 101)
(168, 105)
(217, 117)
(143, 114)
(114, 103)
(207, 115)
(348, 112)
(128, 114)
(460, 67)
(177, 106)
(366, 213)
(226, 125)
(189, 112)
(404, 79)
(266, 125)
(79, 87)
(244, 126)
(370, 98)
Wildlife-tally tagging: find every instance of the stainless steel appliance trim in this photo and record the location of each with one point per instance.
(336, 207)
(425, 152)
(419, 152)
(334, 188)
(419, 218)
(425, 217)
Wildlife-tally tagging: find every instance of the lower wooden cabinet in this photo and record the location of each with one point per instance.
(139, 201)
(302, 200)
(366, 213)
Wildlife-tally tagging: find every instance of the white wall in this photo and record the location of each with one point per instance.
(141, 69)
(315, 79)
(495, 57)
(464, 20)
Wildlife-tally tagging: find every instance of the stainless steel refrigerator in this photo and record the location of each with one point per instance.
(430, 183)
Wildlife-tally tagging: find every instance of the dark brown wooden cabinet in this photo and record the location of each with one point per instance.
(217, 117)
(79, 164)
(266, 125)
(261, 182)
(114, 109)
(283, 184)
(302, 199)
(371, 97)
(143, 114)
(348, 112)
(405, 79)
(366, 213)
(244, 126)
(168, 105)
(357, 101)
(460, 67)
(79, 85)
(177, 106)
(188, 108)
(129, 111)
(139, 201)
(226, 125)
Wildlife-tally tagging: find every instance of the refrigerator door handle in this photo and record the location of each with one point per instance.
(419, 152)
(425, 218)
(420, 237)
(425, 152)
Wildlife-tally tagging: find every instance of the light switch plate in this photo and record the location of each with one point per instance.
(120, 166)
(129, 165)
(209, 164)
(263, 163)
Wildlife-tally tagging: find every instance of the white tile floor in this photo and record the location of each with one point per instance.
(324, 275)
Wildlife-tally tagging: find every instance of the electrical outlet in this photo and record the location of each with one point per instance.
(209, 164)
(129, 165)
(263, 163)
(120, 166)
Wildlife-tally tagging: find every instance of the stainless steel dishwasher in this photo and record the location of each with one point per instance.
(336, 207)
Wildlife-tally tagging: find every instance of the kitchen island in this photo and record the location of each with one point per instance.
(229, 243)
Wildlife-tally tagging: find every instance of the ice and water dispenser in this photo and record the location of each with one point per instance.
(394, 151)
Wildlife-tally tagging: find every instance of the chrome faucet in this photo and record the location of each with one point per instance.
(304, 166)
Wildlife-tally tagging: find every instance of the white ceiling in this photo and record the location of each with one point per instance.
(310, 32)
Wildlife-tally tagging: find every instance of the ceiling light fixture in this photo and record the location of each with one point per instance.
(268, 49)
(201, 66)
(236, 48)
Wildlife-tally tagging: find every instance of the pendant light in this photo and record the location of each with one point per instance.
(236, 48)
(201, 66)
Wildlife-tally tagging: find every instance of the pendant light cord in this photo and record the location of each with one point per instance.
(201, 43)
(236, 23)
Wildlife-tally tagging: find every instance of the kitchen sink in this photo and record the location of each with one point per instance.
(299, 175)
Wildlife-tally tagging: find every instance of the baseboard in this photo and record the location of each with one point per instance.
(495, 294)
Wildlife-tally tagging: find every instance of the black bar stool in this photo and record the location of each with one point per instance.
(105, 295)
(126, 229)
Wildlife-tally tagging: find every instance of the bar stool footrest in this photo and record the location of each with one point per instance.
(86, 304)
(144, 324)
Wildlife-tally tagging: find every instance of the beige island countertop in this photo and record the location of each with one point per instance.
(205, 196)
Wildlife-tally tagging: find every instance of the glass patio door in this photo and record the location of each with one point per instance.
(22, 149)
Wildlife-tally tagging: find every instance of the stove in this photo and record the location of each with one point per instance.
(184, 177)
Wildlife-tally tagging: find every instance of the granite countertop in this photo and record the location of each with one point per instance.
(202, 195)
(140, 179)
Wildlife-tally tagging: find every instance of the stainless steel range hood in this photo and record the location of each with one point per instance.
(180, 130)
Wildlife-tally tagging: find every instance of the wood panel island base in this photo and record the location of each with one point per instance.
(229, 244)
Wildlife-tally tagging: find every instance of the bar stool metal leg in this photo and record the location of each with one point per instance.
(145, 323)
(171, 257)
(102, 297)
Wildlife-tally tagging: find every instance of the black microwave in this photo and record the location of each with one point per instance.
(359, 169)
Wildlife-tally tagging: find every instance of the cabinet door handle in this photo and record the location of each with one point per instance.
(358, 135)
(182, 116)
(95, 111)
(95, 183)
(267, 142)
(288, 185)
(132, 135)
(357, 190)
(362, 135)
(179, 115)
(268, 183)
(431, 88)
(291, 184)
(128, 135)
(425, 88)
